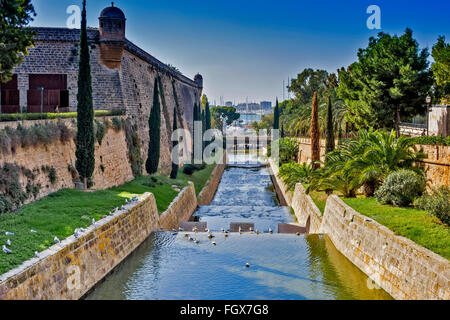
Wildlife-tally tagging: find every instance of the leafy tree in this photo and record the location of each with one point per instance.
(154, 124)
(307, 83)
(330, 143)
(389, 81)
(315, 133)
(85, 144)
(276, 117)
(266, 123)
(441, 67)
(15, 39)
(229, 114)
(174, 172)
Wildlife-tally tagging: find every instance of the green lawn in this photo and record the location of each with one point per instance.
(61, 213)
(410, 223)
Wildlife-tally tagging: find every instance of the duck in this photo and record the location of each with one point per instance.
(214, 243)
(247, 265)
(210, 236)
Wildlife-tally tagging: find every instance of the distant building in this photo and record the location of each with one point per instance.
(266, 105)
(250, 107)
(229, 103)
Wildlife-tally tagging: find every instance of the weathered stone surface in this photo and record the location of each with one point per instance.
(112, 167)
(283, 192)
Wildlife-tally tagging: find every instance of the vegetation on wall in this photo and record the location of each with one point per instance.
(12, 195)
(47, 133)
(85, 147)
(6, 117)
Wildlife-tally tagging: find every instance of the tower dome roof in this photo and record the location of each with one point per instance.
(198, 76)
(112, 12)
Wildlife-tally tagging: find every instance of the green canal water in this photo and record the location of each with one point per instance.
(168, 266)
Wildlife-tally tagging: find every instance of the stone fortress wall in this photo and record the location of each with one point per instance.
(128, 88)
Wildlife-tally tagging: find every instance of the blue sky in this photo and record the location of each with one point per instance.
(247, 48)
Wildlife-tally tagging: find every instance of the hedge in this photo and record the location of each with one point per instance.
(45, 116)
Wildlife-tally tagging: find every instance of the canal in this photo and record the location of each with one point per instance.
(168, 266)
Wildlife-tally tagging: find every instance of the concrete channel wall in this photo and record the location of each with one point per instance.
(402, 268)
(67, 271)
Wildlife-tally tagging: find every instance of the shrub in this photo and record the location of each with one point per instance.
(44, 116)
(117, 124)
(401, 188)
(437, 204)
(293, 173)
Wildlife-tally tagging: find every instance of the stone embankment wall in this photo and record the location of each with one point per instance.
(67, 271)
(398, 265)
(181, 209)
(112, 167)
(128, 88)
(402, 268)
(437, 164)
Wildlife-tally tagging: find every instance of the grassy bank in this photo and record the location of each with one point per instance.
(410, 223)
(62, 212)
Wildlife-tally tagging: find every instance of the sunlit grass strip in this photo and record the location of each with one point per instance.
(62, 212)
(411, 223)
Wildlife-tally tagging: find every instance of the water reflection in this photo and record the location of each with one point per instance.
(168, 266)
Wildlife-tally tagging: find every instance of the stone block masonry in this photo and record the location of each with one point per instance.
(401, 267)
(128, 88)
(112, 167)
(67, 271)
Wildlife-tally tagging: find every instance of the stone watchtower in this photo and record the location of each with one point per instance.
(198, 79)
(112, 36)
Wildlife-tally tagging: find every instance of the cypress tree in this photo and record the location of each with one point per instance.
(174, 172)
(282, 131)
(315, 133)
(85, 145)
(154, 124)
(330, 128)
(207, 117)
(276, 117)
